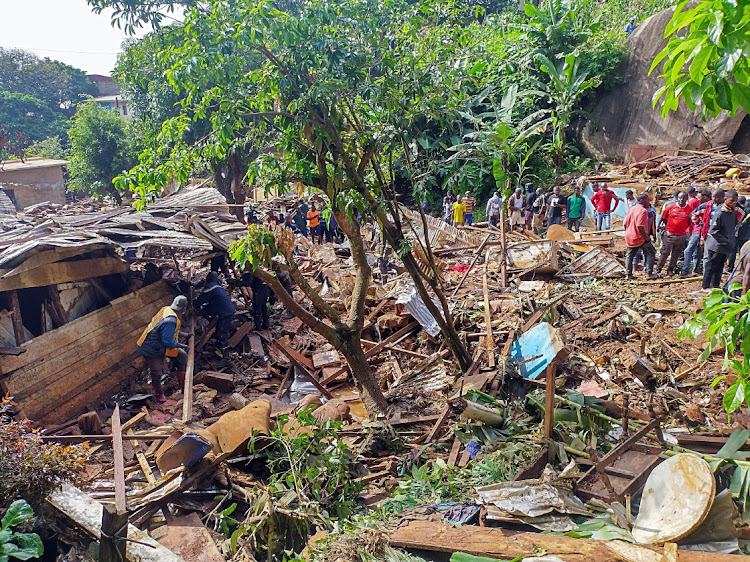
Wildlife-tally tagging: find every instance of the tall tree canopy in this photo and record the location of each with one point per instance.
(707, 58)
(37, 96)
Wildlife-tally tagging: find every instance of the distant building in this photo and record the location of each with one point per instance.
(32, 181)
(105, 86)
(114, 103)
(109, 95)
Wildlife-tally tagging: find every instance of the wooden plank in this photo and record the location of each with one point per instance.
(187, 402)
(49, 256)
(390, 340)
(87, 513)
(500, 543)
(438, 425)
(489, 340)
(56, 342)
(473, 263)
(256, 346)
(15, 308)
(549, 400)
(64, 272)
(114, 530)
(240, 334)
(12, 351)
(534, 318)
(312, 378)
(455, 449)
(119, 461)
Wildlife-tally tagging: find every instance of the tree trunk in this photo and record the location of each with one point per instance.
(236, 176)
(372, 395)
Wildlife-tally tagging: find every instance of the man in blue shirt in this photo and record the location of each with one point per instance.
(159, 340)
(215, 301)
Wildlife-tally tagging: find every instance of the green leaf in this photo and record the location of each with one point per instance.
(29, 546)
(723, 94)
(734, 396)
(699, 64)
(742, 93)
(18, 512)
(734, 443)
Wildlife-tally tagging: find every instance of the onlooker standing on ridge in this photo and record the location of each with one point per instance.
(469, 202)
(555, 203)
(694, 248)
(630, 201)
(538, 212)
(529, 205)
(459, 209)
(602, 202)
(677, 220)
(576, 209)
(448, 209)
(637, 237)
(720, 240)
(494, 209)
(515, 208)
(316, 230)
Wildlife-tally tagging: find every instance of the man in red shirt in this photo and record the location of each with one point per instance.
(636, 237)
(677, 219)
(602, 202)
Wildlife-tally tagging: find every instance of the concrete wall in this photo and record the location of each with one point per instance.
(35, 185)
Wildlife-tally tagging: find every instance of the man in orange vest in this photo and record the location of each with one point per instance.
(159, 340)
(313, 218)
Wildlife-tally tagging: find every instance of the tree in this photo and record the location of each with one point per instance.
(24, 120)
(56, 84)
(48, 148)
(707, 58)
(101, 148)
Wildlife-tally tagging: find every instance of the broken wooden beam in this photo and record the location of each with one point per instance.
(505, 544)
(187, 401)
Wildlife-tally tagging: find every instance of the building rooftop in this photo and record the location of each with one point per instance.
(114, 98)
(30, 164)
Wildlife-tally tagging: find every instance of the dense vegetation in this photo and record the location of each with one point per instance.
(463, 96)
(37, 96)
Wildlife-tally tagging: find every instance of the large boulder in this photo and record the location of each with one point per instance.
(625, 115)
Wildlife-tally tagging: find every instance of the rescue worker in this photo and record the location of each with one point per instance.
(215, 301)
(159, 340)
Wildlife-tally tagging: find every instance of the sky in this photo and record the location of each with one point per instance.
(65, 30)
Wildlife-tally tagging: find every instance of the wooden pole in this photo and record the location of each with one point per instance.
(549, 401)
(473, 263)
(15, 307)
(489, 339)
(503, 251)
(187, 400)
(115, 521)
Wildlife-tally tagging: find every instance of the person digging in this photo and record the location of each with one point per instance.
(159, 340)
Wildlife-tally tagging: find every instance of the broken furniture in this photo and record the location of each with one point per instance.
(623, 471)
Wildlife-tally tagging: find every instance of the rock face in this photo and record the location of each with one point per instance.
(625, 116)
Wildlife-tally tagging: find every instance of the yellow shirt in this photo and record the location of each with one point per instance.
(458, 212)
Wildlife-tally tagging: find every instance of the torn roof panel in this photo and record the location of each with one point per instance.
(16, 254)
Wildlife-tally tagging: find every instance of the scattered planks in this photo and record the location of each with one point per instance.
(505, 544)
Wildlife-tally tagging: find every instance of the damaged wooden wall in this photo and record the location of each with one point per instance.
(67, 369)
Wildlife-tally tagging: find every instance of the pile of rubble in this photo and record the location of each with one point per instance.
(579, 385)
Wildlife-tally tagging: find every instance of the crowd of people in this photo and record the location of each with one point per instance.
(305, 219)
(707, 230)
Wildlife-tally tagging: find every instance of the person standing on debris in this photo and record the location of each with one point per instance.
(159, 340)
(576, 209)
(470, 203)
(720, 240)
(556, 203)
(630, 201)
(740, 274)
(289, 224)
(494, 209)
(602, 202)
(529, 205)
(215, 301)
(448, 209)
(676, 219)
(515, 207)
(694, 249)
(313, 220)
(742, 233)
(330, 226)
(459, 209)
(300, 220)
(261, 294)
(539, 209)
(637, 237)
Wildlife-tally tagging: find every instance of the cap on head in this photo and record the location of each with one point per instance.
(179, 303)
